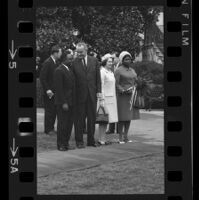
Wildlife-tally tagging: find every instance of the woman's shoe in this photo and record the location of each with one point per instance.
(121, 142)
(80, 146)
(108, 142)
(109, 132)
(101, 142)
(62, 148)
(127, 140)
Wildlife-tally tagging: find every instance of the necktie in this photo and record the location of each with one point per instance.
(84, 63)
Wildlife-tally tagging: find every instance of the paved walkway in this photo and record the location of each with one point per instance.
(147, 134)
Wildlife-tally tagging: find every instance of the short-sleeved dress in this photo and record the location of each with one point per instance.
(125, 78)
(109, 94)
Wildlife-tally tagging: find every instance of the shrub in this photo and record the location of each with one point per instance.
(150, 70)
(150, 77)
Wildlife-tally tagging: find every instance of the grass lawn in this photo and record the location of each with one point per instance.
(46, 142)
(140, 175)
(143, 175)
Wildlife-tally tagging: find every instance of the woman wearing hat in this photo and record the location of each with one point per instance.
(125, 80)
(108, 100)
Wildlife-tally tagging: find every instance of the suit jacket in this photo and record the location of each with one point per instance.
(47, 74)
(64, 83)
(88, 80)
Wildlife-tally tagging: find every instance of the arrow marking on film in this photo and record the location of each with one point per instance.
(12, 149)
(12, 51)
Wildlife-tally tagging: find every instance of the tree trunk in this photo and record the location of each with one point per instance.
(148, 53)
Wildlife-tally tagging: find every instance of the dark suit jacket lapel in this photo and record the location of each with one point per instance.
(52, 61)
(67, 72)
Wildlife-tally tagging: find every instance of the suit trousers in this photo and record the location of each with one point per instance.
(65, 121)
(83, 111)
(49, 114)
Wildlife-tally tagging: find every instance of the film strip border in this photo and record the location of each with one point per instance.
(21, 63)
(22, 87)
(178, 100)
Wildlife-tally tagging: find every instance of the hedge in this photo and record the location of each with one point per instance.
(152, 70)
(153, 73)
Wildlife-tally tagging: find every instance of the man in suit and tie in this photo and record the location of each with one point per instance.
(88, 88)
(64, 82)
(46, 78)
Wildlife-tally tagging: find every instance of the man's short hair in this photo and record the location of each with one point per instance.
(68, 52)
(55, 49)
(65, 54)
(79, 44)
(91, 53)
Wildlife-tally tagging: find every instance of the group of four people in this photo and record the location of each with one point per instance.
(74, 90)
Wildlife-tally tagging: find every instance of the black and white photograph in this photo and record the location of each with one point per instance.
(100, 100)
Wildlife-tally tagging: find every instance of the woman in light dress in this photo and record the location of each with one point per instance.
(108, 99)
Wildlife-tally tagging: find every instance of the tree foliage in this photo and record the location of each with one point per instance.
(104, 28)
(114, 29)
(53, 27)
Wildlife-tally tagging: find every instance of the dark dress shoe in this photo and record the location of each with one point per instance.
(51, 132)
(93, 145)
(62, 148)
(80, 146)
(70, 147)
(109, 132)
(108, 143)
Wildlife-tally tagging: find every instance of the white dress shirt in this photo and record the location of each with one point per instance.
(55, 63)
(66, 67)
(53, 59)
(85, 59)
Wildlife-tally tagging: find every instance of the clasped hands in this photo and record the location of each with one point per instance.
(65, 107)
(129, 91)
(49, 94)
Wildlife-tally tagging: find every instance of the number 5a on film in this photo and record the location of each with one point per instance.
(14, 161)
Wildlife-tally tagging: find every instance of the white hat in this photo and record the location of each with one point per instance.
(106, 56)
(123, 54)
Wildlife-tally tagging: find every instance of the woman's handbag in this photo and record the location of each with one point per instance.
(137, 101)
(101, 118)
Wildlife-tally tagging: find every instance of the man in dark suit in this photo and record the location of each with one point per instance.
(46, 78)
(64, 82)
(88, 88)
